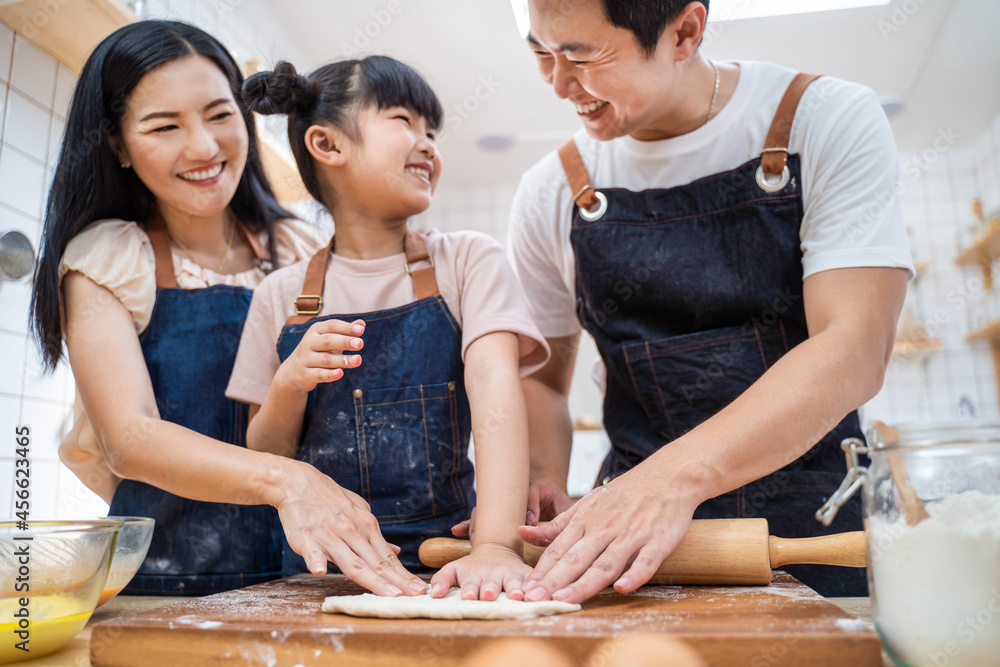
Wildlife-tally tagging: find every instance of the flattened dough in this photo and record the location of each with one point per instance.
(451, 606)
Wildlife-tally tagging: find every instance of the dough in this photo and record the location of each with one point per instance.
(451, 606)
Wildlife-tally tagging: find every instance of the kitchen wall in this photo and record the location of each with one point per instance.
(35, 92)
(939, 185)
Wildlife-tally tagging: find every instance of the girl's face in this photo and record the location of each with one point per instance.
(184, 136)
(396, 165)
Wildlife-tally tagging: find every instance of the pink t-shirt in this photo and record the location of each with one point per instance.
(472, 273)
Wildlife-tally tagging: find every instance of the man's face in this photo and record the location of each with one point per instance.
(599, 68)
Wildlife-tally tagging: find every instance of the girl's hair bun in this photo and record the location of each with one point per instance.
(283, 91)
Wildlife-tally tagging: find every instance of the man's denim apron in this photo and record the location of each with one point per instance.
(691, 294)
(189, 347)
(396, 429)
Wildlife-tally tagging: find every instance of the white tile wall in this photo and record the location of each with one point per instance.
(22, 180)
(936, 204)
(27, 126)
(33, 72)
(32, 119)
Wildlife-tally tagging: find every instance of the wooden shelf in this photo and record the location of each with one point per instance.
(67, 31)
(983, 250)
(914, 349)
(989, 332)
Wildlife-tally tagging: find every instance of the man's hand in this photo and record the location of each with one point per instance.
(628, 522)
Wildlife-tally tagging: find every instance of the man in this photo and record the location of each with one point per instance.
(741, 265)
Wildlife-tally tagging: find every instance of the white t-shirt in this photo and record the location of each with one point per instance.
(849, 169)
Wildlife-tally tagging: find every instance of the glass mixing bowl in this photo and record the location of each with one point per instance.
(51, 575)
(133, 543)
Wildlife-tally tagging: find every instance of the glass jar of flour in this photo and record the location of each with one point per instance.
(932, 507)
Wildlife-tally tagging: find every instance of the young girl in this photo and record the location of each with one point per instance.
(438, 318)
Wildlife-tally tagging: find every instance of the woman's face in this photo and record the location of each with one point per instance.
(183, 134)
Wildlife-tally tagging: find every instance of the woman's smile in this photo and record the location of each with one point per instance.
(204, 176)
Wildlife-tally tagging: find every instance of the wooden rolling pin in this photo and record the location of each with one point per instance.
(714, 552)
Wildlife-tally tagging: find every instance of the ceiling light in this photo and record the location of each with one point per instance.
(520, 8)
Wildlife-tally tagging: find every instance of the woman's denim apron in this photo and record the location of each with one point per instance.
(190, 346)
(691, 294)
(396, 429)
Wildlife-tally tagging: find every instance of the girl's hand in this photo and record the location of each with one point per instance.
(325, 522)
(489, 569)
(320, 355)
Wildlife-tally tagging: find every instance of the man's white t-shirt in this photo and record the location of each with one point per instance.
(849, 169)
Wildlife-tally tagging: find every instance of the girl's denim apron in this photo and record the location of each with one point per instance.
(190, 346)
(396, 429)
(691, 294)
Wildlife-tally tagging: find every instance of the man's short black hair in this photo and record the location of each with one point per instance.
(646, 19)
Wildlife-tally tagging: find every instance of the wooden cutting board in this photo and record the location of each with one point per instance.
(279, 624)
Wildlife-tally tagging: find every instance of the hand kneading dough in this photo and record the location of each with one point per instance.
(451, 606)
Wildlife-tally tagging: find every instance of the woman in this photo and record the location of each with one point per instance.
(159, 199)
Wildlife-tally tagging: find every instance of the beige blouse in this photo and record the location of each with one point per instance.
(117, 255)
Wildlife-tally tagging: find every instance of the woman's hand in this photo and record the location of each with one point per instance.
(483, 574)
(325, 522)
(320, 355)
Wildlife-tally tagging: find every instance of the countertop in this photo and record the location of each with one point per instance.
(77, 652)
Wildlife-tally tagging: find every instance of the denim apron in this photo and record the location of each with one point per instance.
(189, 346)
(691, 293)
(396, 429)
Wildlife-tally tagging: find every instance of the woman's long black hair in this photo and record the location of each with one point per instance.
(89, 183)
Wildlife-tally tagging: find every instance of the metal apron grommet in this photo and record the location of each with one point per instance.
(770, 186)
(602, 207)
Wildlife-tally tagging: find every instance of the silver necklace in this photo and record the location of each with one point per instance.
(715, 92)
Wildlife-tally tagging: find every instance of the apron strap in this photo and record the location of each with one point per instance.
(774, 156)
(309, 304)
(424, 283)
(156, 230)
(576, 174)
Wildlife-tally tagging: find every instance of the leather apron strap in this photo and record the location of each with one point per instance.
(310, 302)
(774, 156)
(159, 238)
(576, 174)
